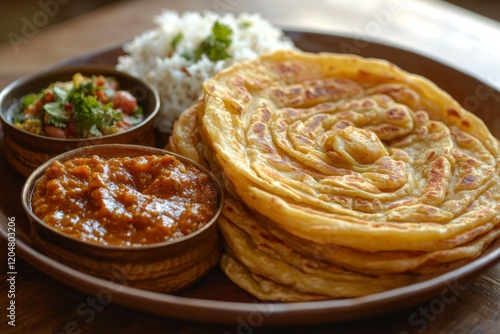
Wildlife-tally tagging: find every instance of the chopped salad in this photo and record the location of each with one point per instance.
(84, 107)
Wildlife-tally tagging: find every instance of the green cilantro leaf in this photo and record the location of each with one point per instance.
(222, 33)
(215, 46)
(137, 117)
(17, 114)
(189, 56)
(87, 87)
(91, 116)
(94, 130)
(244, 24)
(29, 99)
(56, 113)
(61, 93)
(175, 41)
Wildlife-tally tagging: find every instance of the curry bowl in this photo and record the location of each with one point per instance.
(166, 265)
(27, 145)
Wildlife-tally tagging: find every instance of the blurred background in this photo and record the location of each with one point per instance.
(12, 12)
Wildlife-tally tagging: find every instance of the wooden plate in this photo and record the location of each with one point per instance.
(216, 299)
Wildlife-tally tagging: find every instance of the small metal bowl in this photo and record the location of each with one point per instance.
(163, 267)
(25, 150)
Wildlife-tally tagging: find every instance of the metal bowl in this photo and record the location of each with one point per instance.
(165, 266)
(25, 150)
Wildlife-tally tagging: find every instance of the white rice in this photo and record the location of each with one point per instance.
(150, 56)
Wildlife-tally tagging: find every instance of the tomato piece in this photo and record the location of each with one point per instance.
(38, 105)
(124, 124)
(100, 81)
(125, 101)
(54, 131)
(101, 96)
(49, 95)
(68, 107)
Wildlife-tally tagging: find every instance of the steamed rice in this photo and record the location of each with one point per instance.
(150, 55)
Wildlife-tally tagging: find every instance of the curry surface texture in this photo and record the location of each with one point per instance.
(126, 201)
(343, 169)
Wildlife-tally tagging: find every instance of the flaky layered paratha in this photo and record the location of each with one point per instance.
(353, 162)
(332, 147)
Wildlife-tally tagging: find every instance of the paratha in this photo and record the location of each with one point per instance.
(374, 172)
(333, 146)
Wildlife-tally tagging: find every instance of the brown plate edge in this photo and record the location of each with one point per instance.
(226, 312)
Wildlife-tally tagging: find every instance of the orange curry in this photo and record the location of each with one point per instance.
(129, 201)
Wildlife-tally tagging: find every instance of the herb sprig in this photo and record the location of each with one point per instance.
(90, 115)
(215, 46)
(56, 114)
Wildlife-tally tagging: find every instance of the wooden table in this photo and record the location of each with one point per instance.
(441, 31)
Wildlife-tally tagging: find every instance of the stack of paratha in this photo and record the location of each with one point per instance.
(345, 176)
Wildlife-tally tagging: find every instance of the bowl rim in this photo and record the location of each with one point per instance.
(111, 71)
(39, 173)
